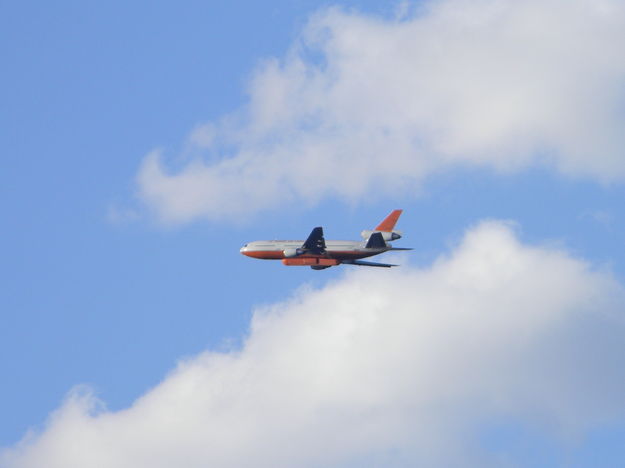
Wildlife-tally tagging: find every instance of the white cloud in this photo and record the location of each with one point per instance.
(382, 368)
(363, 106)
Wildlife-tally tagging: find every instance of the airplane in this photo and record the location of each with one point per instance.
(319, 254)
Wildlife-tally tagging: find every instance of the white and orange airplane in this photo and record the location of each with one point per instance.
(318, 253)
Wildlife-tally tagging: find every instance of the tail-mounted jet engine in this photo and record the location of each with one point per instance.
(290, 253)
(387, 236)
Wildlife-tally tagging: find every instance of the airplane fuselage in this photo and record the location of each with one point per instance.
(335, 249)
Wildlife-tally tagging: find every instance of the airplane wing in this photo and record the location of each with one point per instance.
(372, 264)
(315, 243)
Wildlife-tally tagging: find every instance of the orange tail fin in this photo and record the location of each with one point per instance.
(389, 222)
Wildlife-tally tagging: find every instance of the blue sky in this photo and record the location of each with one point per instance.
(105, 284)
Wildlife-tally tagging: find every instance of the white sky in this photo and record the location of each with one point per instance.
(405, 367)
(363, 106)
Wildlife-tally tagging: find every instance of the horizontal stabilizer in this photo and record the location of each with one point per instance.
(376, 241)
(401, 248)
(371, 264)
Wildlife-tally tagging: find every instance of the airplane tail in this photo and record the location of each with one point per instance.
(386, 227)
(389, 222)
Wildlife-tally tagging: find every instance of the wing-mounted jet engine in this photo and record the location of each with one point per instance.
(290, 253)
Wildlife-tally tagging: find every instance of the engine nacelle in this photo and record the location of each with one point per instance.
(387, 236)
(290, 253)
